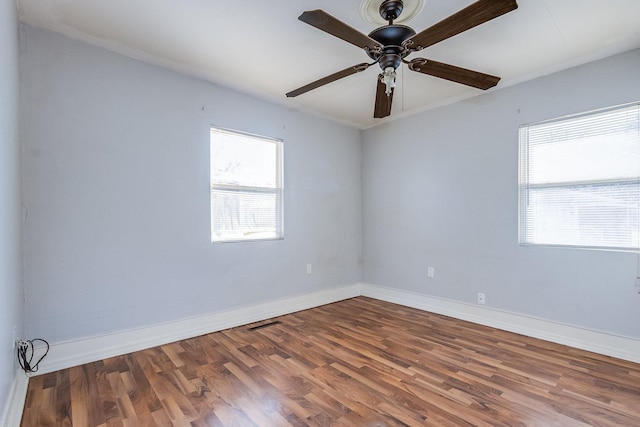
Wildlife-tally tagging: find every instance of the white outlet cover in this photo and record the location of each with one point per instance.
(431, 272)
(481, 298)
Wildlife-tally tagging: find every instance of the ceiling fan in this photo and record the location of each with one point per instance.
(389, 45)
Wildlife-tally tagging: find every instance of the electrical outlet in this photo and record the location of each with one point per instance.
(15, 332)
(309, 269)
(431, 272)
(481, 298)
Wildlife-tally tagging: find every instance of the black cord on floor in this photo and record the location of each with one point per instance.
(26, 352)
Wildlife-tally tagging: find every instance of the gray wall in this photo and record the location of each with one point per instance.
(441, 189)
(11, 302)
(116, 191)
(116, 187)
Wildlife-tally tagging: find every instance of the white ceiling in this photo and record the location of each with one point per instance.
(259, 47)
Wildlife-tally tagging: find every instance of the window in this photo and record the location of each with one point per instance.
(246, 187)
(580, 180)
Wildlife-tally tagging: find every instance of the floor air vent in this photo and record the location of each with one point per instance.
(264, 325)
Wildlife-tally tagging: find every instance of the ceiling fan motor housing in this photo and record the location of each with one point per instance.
(391, 37)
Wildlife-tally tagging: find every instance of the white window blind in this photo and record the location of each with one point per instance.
(580, 180)
(246, 187)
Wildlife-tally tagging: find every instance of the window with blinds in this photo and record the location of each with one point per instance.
(580, 180)
(246, 187)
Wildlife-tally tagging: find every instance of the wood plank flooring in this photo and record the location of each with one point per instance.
(359, 362)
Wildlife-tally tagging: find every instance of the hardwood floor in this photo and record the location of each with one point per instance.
(359, 362)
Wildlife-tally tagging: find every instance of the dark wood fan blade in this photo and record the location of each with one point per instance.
(331, 78)
(383, 101)
(327, 23)
(473, 15)
(455, 74)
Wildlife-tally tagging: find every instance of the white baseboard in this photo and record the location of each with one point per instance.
(598, 342)
(12, 414)
(89, 349)
(72, 353)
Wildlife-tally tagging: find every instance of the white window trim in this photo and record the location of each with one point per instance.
(278, 191)
(524, 185)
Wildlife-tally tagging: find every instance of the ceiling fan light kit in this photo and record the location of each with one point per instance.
(390, 44)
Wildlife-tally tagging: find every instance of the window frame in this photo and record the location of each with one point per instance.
(524, 184)
(278, 190)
